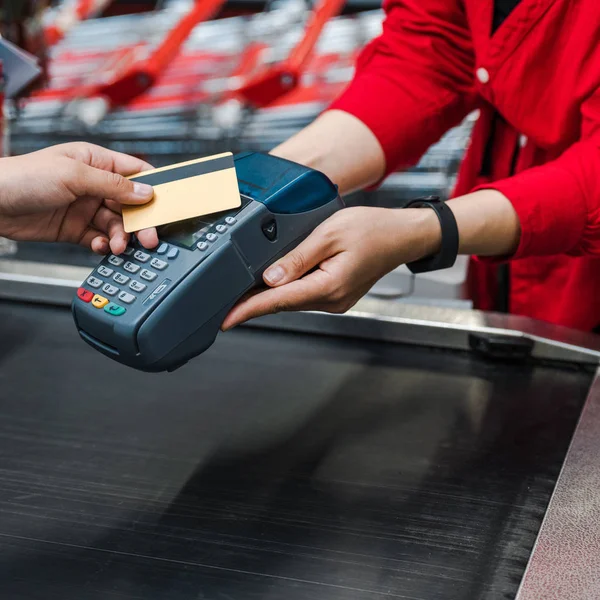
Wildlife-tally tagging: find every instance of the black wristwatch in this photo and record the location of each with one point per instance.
(446, 257)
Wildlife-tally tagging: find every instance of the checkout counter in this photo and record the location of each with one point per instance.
(397, 451)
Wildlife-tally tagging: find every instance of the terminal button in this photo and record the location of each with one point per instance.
(230, 220)
(136, 286)
(105, 271)
(120, 278)
(221, 229)
(148, 275)
(202, 246)
(162, 249)
(270, 230)
(85, 295)
(131, 267)
(141, 256)
(128, 251)
(127, 298)
(99, 301)
(114, 309)
(173, 253)
(211, 237)
(158, 264)
(111, 290)
(94, 282)
(116, 261)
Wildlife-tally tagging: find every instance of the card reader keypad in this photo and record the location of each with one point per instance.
(121, 284)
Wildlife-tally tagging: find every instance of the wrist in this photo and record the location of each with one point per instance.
(419, 231)
(431, 230)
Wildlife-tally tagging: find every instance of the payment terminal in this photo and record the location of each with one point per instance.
(155, 310)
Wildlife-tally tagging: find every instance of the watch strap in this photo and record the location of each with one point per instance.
(446, 256)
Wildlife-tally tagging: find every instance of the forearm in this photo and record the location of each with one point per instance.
(339, 145)
(487, 222)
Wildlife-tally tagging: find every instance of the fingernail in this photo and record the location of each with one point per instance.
(104, 247)
(274, 275)
(142, 190)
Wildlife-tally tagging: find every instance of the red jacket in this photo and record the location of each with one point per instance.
(435, 62)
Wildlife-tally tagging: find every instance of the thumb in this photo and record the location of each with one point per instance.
(306, 256)
(106, 184)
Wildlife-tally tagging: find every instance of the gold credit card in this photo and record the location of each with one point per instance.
(191, 189)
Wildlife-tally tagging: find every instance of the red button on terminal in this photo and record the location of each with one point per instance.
(85, 295)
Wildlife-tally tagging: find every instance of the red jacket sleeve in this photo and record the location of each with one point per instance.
(558, 204)
(415, 81)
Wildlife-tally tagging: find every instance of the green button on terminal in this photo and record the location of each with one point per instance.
(114, 309)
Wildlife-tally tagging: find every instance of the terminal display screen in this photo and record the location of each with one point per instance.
(188, 233)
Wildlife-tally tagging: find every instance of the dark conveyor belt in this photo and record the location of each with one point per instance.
(277, 466)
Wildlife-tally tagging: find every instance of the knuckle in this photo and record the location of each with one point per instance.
(298, 261)
(330, 233)
(117, 182)
(75, 147)
(78, 170)
(75, 176)
(78, 151)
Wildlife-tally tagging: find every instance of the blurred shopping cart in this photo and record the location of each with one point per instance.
(214, 93)
(174, 83)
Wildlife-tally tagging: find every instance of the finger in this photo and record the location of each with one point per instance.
(299, 261)
(308, 293)
(114, 206)
(100, 245)
(105, 159)
(89, 181)
(123, 163)
(111, 223)
(96, 240)
(148, 238)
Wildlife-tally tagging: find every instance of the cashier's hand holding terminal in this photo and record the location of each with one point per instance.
(71, 193)
(342, 259)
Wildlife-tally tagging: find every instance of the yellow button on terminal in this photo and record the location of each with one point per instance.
(99, 301)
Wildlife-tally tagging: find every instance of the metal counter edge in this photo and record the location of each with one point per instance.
(375, 319)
